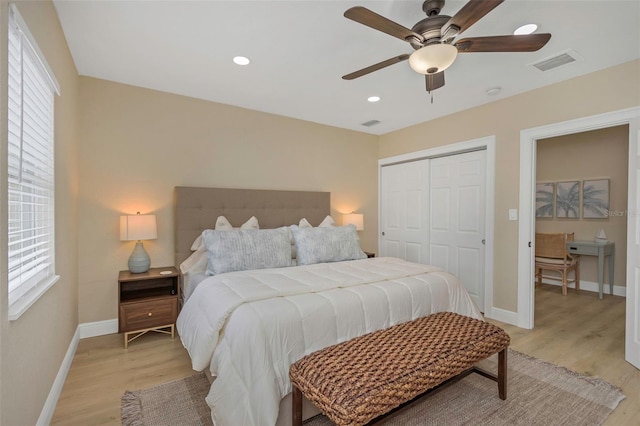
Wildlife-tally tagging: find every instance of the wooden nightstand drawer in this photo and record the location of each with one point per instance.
(147, 314)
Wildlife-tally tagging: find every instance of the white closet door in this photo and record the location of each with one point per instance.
(404, 211)
(457, 218)
(632, 339)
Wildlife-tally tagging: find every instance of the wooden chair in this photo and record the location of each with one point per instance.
(552, 255)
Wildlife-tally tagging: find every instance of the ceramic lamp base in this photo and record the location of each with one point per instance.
(139, 260)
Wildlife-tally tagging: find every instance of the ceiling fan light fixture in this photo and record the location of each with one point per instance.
(525, 29)
(433, 58)
(241, 60)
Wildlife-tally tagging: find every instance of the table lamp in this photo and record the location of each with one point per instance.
(138, 227)
(356, 219)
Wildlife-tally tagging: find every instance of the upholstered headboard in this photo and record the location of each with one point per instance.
(197, 209)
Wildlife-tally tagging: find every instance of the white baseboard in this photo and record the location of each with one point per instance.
(502, 315)
(98, 328)
(91, 329)
(510, 317)
(56, 389)
(592, 286)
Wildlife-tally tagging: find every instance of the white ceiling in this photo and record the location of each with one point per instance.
(300, 49)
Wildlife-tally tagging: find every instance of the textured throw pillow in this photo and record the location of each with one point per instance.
(223, 224)
(247, 249)
(326, 244)
(304, 223)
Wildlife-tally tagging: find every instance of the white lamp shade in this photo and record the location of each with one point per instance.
(138, 227)
(433, 58)
(356, 219)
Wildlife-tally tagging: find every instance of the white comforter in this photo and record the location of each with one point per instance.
(250, 326)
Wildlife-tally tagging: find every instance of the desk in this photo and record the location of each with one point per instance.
(591, 248)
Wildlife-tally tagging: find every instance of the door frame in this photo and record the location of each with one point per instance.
(526, 229)
(488, 144)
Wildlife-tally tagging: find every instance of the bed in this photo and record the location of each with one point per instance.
(246, 318)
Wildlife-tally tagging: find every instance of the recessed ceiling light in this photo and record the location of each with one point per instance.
(241, 60)
(373, 98)
(525, 29)
(494, 91)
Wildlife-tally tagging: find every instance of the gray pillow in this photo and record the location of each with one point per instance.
(326, 244)
(245, 249)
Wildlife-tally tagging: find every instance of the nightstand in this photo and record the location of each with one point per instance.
(148, 302)
(369, 254)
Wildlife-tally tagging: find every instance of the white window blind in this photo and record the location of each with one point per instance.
(31, 228)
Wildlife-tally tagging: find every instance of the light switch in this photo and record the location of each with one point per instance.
(513, 214)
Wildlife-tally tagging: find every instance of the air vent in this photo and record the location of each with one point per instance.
(557, 61)
(370, 123)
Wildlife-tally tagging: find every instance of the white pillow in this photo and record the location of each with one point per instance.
(328, 221)
(252, 223)
(304, 223)
(247, 249)
(222, 224)
(196, 263)
(326, 244)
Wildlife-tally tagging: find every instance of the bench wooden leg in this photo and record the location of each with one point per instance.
(296, 407)
(502, 374)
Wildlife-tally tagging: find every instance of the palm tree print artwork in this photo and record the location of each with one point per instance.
(568, 200)
(595, 199)
(544, 199)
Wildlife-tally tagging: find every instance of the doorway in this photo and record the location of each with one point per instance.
(528, 141)
(581, 188)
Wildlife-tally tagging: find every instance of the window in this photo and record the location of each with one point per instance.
(31, 228)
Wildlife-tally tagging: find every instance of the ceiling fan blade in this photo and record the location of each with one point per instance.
(506, 43)
(434, 81)
(376, 67)
(470, 13)
(371, 19)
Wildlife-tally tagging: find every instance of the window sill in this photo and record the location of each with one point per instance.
(20, 306)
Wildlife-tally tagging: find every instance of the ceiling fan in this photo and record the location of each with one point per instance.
(433, 38)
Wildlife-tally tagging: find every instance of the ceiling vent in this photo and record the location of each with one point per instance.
(557, 61)
(370, 123)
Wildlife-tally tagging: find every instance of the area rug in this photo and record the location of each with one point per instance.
(180, 402)
(538, 393)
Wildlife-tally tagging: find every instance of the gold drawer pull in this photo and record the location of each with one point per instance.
(150, 313)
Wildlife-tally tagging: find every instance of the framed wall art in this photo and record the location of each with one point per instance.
(568, 199)
(545, 192)
(595, 199)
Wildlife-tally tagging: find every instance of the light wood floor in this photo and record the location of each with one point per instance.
(577, 331)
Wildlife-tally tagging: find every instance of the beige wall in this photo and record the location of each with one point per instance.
(608, 90)
(138, 144)
(33, 347)
(596, 154)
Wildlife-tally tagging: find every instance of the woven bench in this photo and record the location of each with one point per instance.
(364, 378)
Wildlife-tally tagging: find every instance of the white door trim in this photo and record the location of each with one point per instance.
(528, 140)
(487, 143)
